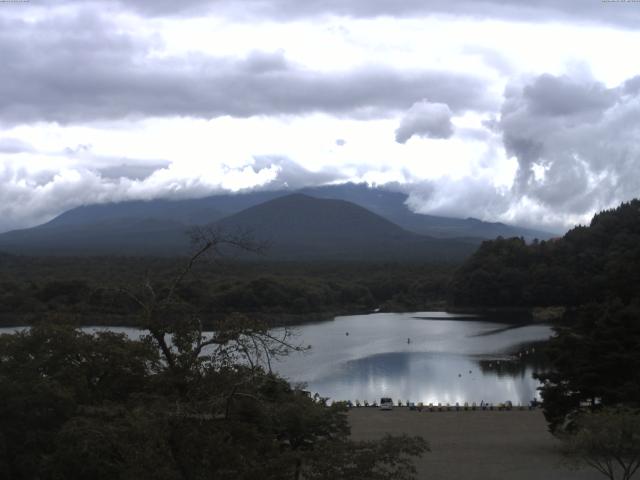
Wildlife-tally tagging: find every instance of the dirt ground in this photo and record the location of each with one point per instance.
(474, 445)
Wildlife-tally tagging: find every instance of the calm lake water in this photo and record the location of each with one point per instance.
(426, 357)
(447, 360)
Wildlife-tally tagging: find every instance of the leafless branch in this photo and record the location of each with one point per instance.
(182, 341)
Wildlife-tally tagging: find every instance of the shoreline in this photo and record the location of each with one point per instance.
(283, 319)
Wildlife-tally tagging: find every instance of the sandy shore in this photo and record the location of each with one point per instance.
(474, 445)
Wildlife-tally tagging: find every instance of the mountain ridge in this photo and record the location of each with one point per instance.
(297, 226)
(390, 204)
(314, 228)
(302, 224)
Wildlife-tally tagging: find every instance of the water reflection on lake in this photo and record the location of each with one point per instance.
(429, 359)
(425, 357)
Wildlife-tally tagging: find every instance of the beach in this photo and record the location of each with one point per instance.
(474, 445)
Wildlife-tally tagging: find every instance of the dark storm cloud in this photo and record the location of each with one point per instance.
(81, 68)
(626, 14)
(549, 95)
(577, 146)
(576, 142)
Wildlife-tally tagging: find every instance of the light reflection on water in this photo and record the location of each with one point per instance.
(448, 361)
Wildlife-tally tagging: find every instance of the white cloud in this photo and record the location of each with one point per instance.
(108, 101)
(425, 119)
(581, 135)
(575, 142)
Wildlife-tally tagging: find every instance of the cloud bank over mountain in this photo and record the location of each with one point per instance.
(489, 109)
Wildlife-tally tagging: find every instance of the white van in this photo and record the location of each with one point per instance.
(386, 403)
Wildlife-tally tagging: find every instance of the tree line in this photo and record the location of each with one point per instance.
(91, 289)
(594, 263)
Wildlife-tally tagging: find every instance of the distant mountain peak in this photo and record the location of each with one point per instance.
(335, 213)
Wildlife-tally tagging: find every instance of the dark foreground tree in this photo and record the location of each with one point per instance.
(608, 441)
(595, 362)
(177, 404)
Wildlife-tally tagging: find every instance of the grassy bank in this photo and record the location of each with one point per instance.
(474, 445)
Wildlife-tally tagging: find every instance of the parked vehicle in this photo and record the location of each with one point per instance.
(386, 403)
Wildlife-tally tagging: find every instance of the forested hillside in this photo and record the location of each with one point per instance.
(589, 264)
(594, 271)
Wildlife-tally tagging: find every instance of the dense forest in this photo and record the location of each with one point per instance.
(594, 272)
(591, 263)
(92, 290)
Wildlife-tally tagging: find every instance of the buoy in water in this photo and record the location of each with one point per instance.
(347, 334)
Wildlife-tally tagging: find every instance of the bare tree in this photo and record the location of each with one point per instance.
(176, 327)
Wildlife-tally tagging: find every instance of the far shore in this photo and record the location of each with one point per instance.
(474, 445)
(288, 319)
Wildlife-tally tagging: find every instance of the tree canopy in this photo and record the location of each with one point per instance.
(589, 264)
(179, 403)
(594, 271)
(608, 441)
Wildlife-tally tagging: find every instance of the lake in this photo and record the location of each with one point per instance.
(425, 357)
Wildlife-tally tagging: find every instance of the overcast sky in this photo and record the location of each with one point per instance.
(526, 115)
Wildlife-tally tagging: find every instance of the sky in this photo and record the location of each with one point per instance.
(527, 114)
